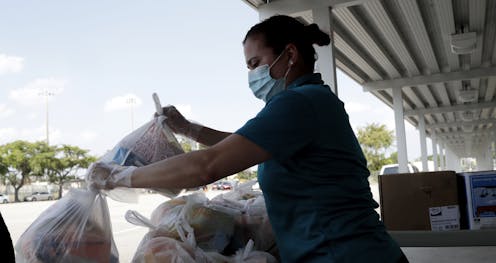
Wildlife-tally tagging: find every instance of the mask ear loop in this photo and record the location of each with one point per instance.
(287, 72)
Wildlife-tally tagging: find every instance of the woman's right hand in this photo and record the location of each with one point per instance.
(176, 121)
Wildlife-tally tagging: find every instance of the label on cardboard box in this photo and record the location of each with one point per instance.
(487, 222)
(444, 218)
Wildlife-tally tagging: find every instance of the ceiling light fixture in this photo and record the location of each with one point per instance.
(468, 94)
(467, 127)
(467, 115)
(463, 42)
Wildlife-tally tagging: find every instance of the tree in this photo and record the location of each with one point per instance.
(247, 175)
(18, 160)
(185, 144)
(62, 164)
(375, 139)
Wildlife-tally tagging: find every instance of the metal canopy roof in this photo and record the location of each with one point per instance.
(434, 50)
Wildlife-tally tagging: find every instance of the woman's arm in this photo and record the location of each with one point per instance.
(204, 135)
(208, 136)
(231, 155)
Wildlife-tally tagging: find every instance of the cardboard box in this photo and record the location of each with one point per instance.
(478, 199)
(420, 201)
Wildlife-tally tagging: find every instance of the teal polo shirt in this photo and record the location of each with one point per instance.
(315, 186)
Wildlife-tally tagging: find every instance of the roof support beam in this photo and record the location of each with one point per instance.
(430, 79)
(459, 107)
(288, 7)
(464, 135)
(458, 123)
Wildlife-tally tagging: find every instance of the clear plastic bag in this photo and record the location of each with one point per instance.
(161, 249)
(247, 206)
(249, 255)
(76, 228)
(152, 142)
(189, 218)
(157, 248)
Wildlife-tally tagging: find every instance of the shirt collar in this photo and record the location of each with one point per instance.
(313, 78)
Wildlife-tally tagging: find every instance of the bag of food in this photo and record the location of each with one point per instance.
(249, 255)
(150, 143)
(76, 228)
(188, 217)
(248, 209)
(156, 248)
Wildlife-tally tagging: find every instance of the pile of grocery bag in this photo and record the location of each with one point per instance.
(232, 227)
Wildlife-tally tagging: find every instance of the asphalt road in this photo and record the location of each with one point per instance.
(19, 216)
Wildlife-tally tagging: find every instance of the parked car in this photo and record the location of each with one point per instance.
(4, 198)
(38, 196)
(393, 169)
(223, 185)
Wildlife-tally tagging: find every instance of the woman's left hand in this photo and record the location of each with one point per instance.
(108, 176)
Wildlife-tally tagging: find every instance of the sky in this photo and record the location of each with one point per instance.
(94, 65)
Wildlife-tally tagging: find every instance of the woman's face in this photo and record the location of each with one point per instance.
(258, 54)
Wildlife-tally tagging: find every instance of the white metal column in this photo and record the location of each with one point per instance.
(484, 156)
(423, 143)
(326, 63)
(442, 147)
(322, 16)
(434, 152)
(400, 130)
(452, 160)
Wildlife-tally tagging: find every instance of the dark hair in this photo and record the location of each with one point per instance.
(280, 30)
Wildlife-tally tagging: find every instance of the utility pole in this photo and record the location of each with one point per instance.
(46, 93)
(131, 101)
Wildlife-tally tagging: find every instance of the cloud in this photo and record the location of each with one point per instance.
(34, 91)
(122, 102)
(7, 135)
(39, 134)
(10, 64)
(353, 107)
(5, 111)
(11, 134)
(88, 135)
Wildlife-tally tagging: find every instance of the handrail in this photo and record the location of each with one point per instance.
(456, 238)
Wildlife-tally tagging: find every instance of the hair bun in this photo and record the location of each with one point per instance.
(317, 36)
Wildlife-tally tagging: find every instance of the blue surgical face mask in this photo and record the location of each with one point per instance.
(263, 85)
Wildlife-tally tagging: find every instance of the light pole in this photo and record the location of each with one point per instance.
(131, 101)
(46, 93)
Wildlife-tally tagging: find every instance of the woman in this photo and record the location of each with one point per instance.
(311, 168)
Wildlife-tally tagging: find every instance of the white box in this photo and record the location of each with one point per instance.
(480, 191)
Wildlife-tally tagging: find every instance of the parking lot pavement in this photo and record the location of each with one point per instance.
(19, 216)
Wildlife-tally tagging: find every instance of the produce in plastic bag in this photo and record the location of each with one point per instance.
(187, 216)
(248, 209)
(248, 255)
(76, 228)
(150, 143)
(162, 249)
(155, 248)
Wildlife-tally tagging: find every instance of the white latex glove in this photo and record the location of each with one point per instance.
(109, 176)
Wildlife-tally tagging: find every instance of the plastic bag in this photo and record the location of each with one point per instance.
(152, 142)
(189, 218)
(249, 255)
(161, 249)
(248, 209)
(156, 248)
(76, 228)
